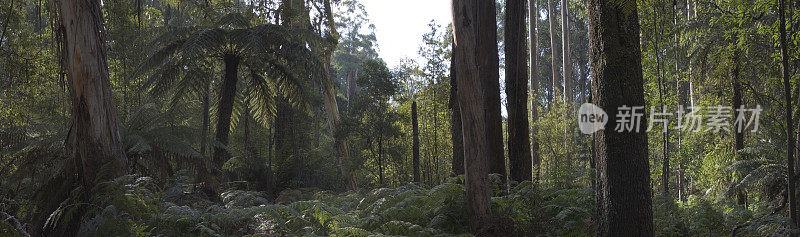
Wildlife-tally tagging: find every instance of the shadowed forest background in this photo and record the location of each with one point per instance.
(280, 118)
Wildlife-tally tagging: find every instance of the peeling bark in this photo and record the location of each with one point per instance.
(469, 24)
(97, 141)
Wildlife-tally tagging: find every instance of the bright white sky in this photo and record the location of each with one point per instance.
(399, 25)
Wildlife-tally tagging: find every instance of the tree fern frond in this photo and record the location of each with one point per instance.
(263, 95)
(158, 58)
(160, 81)
(627, 6)
(204, 42)
(234, 20)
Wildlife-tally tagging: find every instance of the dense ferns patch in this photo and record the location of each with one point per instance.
(137, 207)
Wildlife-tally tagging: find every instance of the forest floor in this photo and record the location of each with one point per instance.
(139, 208)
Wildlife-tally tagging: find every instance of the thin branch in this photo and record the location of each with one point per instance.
(5, 24)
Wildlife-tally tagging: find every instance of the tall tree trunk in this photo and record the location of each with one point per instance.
(434, 114)
(736, 103)
(249, 149)
(296, 16)
(164, 167)
(342, 144)
(97, 141)
(533, 16)
(469, 25)
(286, 137)
(331, 107)
(246, 120)
(689, 11)
(287, 132)
(788, 100)
(380, 158)
(623, 191)
(683, 103)
(793, 29)
(490, 74)
(352, 87)
(455, 120)
(566, 63)
(94, 142)
(519, 150)
(205, 113)
(209, 187)
(553, 51)
(224, 111)
(568, 81)
(415, 141)
(661, 92)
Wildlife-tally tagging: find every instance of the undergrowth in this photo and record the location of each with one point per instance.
(138, 207)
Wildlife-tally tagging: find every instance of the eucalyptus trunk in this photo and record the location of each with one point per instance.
(519, 150)
(474, 22)
(553, 52)
(489, 73)
(736, 103)
(455, 120)
(790, 143)
(331, 107)
(94, 142)
(566, 64)
(380, 158)
(533, 16)
(623, 192)
(296, 15)
(415, 142)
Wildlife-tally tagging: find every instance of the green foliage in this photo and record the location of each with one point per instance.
(565, 158)
(135, 207)
(164, 61)
(372, 123)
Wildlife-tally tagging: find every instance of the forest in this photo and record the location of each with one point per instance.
(513, 118)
